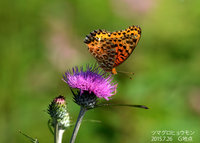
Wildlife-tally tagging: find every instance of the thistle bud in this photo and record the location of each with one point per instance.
(58, 112)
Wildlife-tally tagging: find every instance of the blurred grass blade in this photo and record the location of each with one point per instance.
(126, 105)
(30, 138)
(93, 121)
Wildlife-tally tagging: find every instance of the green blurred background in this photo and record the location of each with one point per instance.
(40, 40)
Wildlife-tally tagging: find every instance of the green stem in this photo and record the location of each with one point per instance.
(58, 134)
(78, 123)
(55, 132)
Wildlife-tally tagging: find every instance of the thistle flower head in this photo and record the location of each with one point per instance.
(58, 112)
(92, 84)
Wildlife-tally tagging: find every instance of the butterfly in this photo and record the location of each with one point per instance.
(110, 49)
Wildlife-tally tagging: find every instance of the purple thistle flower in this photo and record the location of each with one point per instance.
(92, 81)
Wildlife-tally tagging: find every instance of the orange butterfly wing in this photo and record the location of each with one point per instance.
(127, 44)
(112, 49)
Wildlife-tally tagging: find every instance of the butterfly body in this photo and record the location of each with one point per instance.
(112, 49)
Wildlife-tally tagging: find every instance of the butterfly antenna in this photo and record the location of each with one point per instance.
(128, 74)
